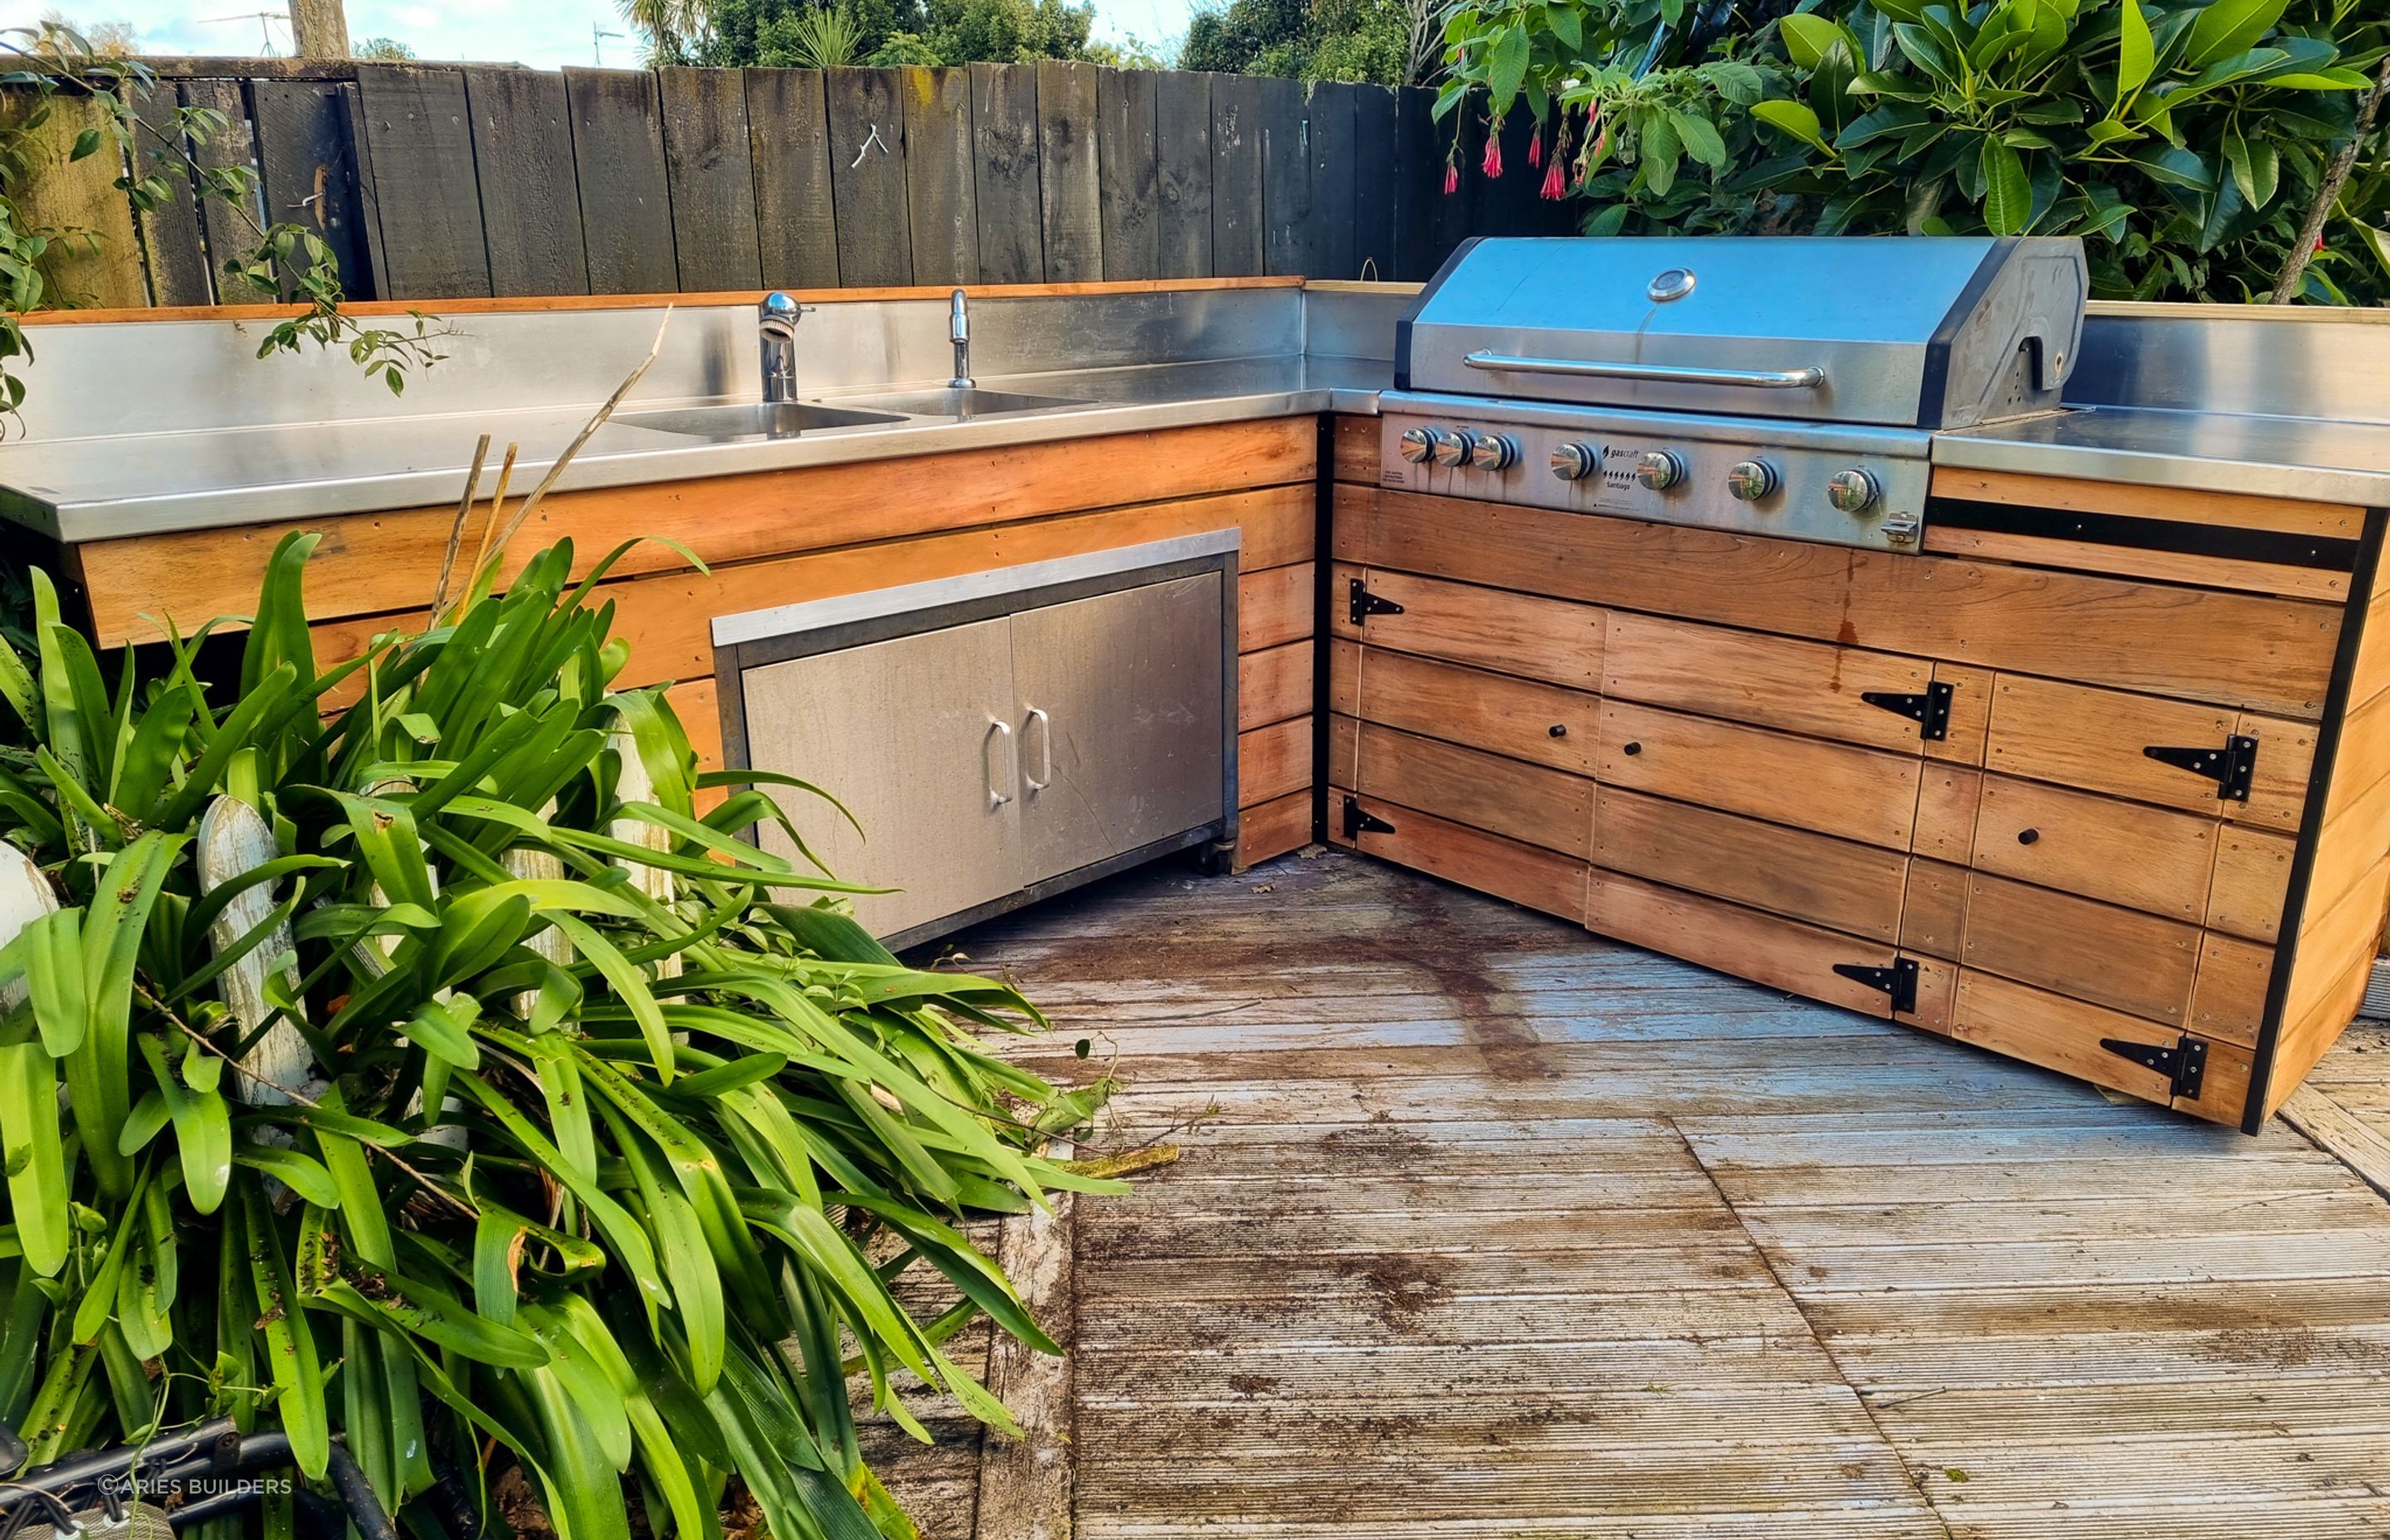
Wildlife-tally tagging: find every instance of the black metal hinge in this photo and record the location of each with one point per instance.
(1357, 823)
(2184, 1064)
(1899, 981)
(2232, 767)
(1930, 711)
(1365, 603)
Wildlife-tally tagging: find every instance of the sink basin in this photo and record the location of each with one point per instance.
(950, 402)
(752, 419)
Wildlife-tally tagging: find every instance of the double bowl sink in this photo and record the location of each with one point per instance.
(741, 421)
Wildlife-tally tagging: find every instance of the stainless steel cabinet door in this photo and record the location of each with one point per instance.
(1120, 700)
(910, 734)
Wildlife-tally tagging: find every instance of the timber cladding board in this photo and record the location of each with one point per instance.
(2101, 847)
(668, 616)
(2065, 1035)
(1273, 762)
(380, 563)
(2046, 729)
(2079, 947)
(1523, 719)
(1532, 803)
(1490, 628)
(2262, 653)
(1524, 874)
(1272, 684)
(1785, 954)
(1812, 688)
(1836, 883)
(1835, 789)
(2281, 515)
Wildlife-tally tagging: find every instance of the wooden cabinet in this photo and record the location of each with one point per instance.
(2056, 812)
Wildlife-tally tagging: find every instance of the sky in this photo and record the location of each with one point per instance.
(544, 34)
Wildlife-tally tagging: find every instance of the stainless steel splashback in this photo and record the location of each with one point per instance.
(2286, 361)
(1898, 331)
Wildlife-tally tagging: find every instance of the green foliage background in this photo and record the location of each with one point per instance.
(2185, 143)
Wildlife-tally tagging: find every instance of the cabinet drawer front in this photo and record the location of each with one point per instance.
(2116, 958)
(1769, 681)
(1768, 949)
(1532, 803)
(2064, 1035)
(2093, 738)
(2125, 853)
(1832, 788)
(1526, 720)
(1836, 883)
(1491, 628)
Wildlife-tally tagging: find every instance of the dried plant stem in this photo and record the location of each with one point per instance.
(456, 528)
(2335, 178)
(498, 507)
(597, 420)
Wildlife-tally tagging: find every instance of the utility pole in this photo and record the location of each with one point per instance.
(597, 45)
(319, 29)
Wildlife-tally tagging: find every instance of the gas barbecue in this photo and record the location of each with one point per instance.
(1785, 387)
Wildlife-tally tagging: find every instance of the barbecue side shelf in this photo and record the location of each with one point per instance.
(2118, 807)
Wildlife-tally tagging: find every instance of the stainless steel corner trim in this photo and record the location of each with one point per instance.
(754, 625)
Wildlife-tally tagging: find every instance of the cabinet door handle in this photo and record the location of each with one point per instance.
(987, 771)
(1045, 748)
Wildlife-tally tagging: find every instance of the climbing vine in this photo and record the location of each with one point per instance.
(157, 157)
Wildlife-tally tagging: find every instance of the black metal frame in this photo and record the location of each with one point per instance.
(213, 1453)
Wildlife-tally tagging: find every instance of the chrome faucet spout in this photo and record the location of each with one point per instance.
(776, 328)
(958, 332)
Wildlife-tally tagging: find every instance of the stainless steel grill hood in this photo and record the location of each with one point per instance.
(1927, 332)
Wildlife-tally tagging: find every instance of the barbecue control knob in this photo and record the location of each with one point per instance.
(1659, 469)
(1574, 462)
(1455, 447)
(1418, 443)
(1495, 452)
(1852, 491)
(1751, 480)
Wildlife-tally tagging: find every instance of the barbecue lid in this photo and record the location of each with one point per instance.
(1929, 331)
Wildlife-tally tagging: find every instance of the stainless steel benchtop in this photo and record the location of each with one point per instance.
(99, 488)
(143, 428)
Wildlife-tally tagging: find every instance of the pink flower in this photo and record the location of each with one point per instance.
(1451, 179)
(1493, 166)
(1535, 150)
(1555, 186)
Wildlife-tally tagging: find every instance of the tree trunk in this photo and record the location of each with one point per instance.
(2335, 176)
(320, 28)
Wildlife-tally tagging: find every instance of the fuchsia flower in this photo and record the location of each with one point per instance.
(1536, 149)
(1555, 186)
(1493, 166)
(1451, 179)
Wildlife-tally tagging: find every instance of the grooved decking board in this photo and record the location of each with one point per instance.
(618, 157)
(531, 208)
(1485, 1227)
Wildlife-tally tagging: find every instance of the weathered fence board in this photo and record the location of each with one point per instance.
(169, 233)
(446, 181)
(531, 205)
(708, 166)
(938, 181)
(1004, 124)
(1182, 174)
(867, 172)
(618, 155)
(1236, 139)
(420, 134)
(788, 130)
(1127, 172)
(1066, 154)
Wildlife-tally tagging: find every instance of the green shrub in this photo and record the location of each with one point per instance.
(602, 1133)
(2186, 144)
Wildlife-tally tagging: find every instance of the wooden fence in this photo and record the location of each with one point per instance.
(448, 181)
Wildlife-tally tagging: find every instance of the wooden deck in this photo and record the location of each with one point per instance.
(1485, 1227)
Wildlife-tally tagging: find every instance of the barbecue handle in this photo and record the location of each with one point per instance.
(1763, 380)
